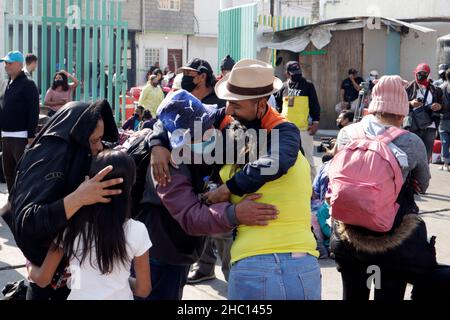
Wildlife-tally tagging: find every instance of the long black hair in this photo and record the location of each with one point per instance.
(100, 226)
(65, 81)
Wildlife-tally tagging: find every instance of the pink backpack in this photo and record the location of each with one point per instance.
(365, 181)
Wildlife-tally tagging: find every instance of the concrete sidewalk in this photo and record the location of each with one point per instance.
(435, 206)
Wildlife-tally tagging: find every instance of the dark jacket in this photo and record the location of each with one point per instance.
(213, 99)
(436, 93)
(302, 88)
(172, 230)
(129, 124)
(445, 101)
(53, 167)
(20, 106)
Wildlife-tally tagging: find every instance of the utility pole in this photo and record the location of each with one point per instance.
(272, 6)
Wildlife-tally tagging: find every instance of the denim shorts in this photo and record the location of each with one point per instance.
(277, 276)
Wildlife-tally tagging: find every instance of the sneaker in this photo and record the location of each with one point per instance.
(198, 277)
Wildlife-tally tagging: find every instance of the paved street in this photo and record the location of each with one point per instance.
(435, 206)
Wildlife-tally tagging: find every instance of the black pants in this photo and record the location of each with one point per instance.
(433, 286)
(428, 136)
(390, 284)
(13, 149)
(35, 292)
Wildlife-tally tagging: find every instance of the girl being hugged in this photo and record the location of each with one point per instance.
(101, 241)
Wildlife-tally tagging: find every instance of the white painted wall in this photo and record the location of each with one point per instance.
(156, 40)
(420, 47)
(395, 9)
(204, 48)
(374, 51)
(207, 15)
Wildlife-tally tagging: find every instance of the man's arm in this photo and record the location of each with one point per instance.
(251, 177)
(196, 218)
(43, 275)
(314, 106)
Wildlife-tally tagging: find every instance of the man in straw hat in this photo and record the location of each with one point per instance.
(247, 88)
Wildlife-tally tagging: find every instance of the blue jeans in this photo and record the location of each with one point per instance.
(445, 140)
(277, 276)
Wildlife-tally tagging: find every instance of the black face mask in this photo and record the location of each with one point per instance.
(422, 77)
(187, 83)
(59, 83)
(296, 77)
(340, 126)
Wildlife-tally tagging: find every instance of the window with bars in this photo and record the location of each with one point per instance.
(169, 5)
(151, 56)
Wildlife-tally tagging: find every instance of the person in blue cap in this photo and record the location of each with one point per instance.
(19, 115)
(175, 214)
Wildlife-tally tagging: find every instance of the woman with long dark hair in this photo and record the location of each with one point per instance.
(60, 92)
(101, 241)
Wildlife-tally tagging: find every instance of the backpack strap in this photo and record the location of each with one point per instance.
(391, 134)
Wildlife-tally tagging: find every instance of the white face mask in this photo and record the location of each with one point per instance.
(372, 78)
(205, 147)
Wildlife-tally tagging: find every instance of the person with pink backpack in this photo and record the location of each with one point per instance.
(377, 232)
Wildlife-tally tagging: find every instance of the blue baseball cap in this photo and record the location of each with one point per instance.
(13, 56)
(178, 113)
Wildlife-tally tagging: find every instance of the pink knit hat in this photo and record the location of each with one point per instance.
(389, 96)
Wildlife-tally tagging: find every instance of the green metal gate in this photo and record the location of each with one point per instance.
(237, 32)
(80, 36)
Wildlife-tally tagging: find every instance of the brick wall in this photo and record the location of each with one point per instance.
(169, 21)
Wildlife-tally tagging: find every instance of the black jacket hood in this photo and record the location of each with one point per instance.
(77, 120)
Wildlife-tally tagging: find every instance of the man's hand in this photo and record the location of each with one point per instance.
(416, 104)
(436, 107)
(221, 194)
(92, 191)
(312, 129)
(159, 160)
(251, 213)
(416, 187)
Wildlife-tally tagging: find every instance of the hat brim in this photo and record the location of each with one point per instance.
(223, 93)
(6, 59)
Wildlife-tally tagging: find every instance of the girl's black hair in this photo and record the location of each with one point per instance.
(65, 80)
(100, 226)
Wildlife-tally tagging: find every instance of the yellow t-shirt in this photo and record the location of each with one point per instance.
(151, 97)
(291, 231)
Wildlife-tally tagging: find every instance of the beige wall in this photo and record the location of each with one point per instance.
(420, 47)
(157, 41)
(204, 48)
(396, 9)
(374, 57)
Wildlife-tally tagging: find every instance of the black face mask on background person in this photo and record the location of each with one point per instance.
(422, 77)
(59, 83)
(187, 83)
(296, 77)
